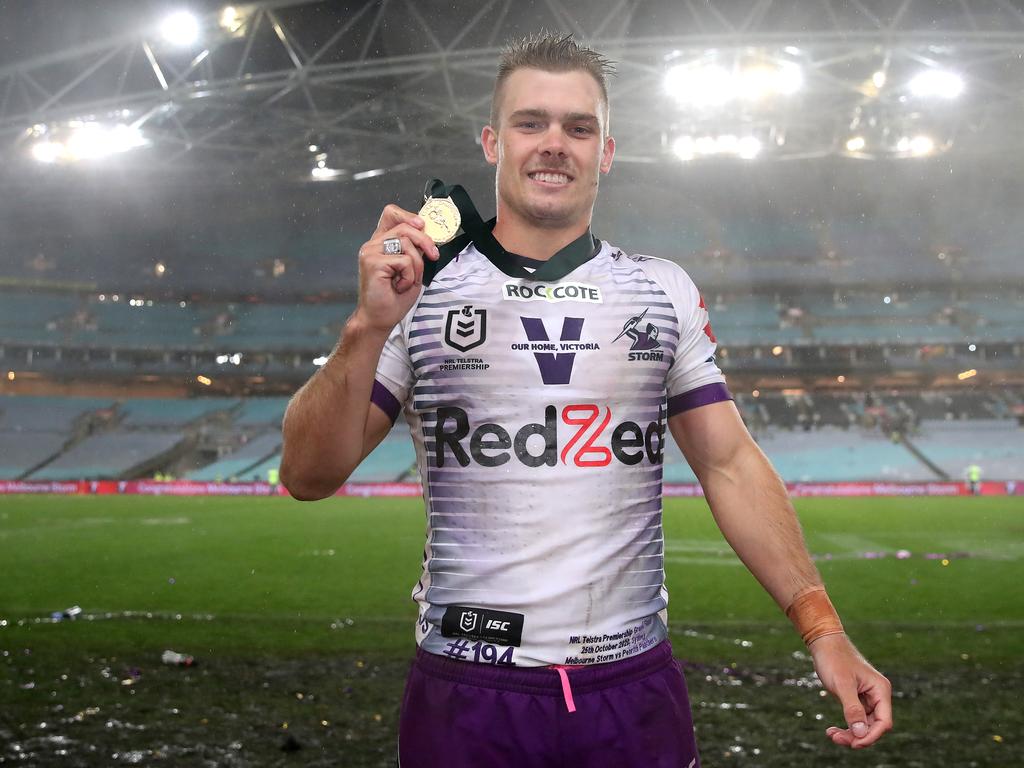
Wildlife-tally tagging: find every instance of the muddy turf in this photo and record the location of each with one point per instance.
(299, 620)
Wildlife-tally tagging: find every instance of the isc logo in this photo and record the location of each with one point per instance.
(497, 624)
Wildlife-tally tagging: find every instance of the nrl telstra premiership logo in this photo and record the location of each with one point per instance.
(465, 328)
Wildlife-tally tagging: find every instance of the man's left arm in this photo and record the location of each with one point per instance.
(751, 507)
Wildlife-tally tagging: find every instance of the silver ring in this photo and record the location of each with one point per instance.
(392, 246)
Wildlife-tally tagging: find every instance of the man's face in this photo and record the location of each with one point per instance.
(549, 147)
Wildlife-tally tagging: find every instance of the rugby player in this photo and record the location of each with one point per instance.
(541, 371)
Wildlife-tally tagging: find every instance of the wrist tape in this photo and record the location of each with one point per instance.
(813, 615)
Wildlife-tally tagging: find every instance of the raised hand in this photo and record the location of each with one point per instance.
(389, 282)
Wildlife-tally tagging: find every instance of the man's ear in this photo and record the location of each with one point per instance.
(489, 141)
(607, 154)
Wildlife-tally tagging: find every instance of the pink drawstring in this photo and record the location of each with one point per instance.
(566, 689)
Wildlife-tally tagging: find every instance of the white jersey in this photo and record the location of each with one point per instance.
(538, 410)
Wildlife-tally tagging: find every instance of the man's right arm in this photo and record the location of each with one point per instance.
(331, 425)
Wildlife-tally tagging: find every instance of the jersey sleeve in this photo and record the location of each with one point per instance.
(392, 383)
(694, 378)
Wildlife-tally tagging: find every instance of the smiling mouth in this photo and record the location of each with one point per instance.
(554, 178)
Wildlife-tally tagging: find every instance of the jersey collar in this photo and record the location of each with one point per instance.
(578, 252)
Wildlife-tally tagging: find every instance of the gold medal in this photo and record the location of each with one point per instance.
(442, 219)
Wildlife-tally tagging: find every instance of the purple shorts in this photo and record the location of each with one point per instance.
(628, 714)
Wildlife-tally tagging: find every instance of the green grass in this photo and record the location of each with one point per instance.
(270, 613)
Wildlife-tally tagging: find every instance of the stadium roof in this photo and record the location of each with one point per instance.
(342, 90)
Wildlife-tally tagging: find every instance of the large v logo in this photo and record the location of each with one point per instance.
(555, 368)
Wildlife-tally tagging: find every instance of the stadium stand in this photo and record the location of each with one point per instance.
(994, 444)
(22, 452)
(261, 411)
(259, 472)
(172, 412)
(831, 454)
(238, 465)
(113, 455)
(46, 414)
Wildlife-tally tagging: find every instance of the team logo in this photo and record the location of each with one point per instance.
(645, 344)
(465, 328)
(467, 621)
(554, 358)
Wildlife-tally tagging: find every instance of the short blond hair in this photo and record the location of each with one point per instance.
(550, 53)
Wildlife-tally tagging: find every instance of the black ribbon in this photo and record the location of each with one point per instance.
(475, 230)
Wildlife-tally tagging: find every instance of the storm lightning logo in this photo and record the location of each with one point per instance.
(645, 344)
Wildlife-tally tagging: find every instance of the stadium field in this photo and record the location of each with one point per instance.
(300, 621)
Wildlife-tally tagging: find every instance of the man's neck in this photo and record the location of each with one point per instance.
(535, 242)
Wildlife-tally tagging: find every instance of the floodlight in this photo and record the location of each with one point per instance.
(322, 174)
(706, 145)
(921, 145)
(180, 28)
(368, 174)
(855, 144)
(701, 86)
(232, 20)
(683, 148)
(788, 79)
(92, 140)
(748, 147)
(726, 144)
(320, 360)
(47, 151)
(937, 82)
(878, 79)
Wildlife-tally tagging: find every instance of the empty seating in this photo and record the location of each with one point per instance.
(20, 452)
(171, 412)
(111, 455)
(238, 464)
(46, 414)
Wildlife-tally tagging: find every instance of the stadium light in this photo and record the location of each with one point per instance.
(748, 147)
(232, 21)
(921, 145)
(878, 79)
(968, 374)
(47, 151)
(322, 173)
(687, 148)
(710, 85)
(683, 148)
(700, 86)
(180, 28)
(855, 144)
(936, 82)
(204, 380)
(87, 140)
(318, 361)
(918, 146)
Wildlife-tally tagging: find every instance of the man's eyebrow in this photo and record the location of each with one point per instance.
(568, 117)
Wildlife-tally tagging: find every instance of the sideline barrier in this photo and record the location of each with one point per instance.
(193, 488)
